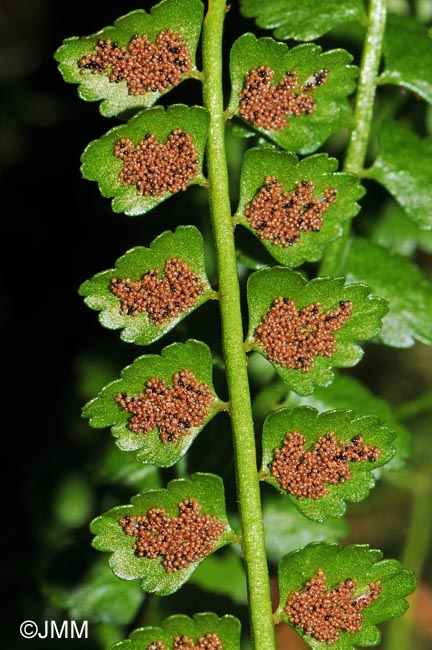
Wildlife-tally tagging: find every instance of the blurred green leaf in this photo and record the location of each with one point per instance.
(402, 284)
(100, 164)
(226, 628)
(320, 170)
(73, 500)
(287, 530)
(349, 393)
(303, 21)
(403, 168)
(259, 369)
(355, 562)
(249, 261)
(92, 373)
(393, 230)
(106, 635)
(103, 598)
(407, 52)
(242, 130)
(184, 19)
(345, 425)
(363, 324)
(222, 574)
(117, 466)
(303, 133)
(186, 244)
(206, 489)
(104, 411)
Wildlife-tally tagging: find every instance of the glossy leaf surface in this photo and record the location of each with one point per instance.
(364, 323)
(186, 244)
(100, 164)
(303, 21)
(286, 168)
(104, 411)
(402, 284)
(349, 393)
(403, 168)
(184, 19)
(303, 133)
(227, 628)
(206, 489)
(345, 425)
(407, 51)
(339, 564)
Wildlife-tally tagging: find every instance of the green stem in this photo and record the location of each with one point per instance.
(336, 253)
(232, 337)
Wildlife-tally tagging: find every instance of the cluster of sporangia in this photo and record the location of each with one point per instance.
(269, 106)
(208, 642)
(323, 614)
(180, 540)
(162, 297)
(282, 216)
(171, 410)
(306, 473)
(292, 338)
(145, 66)
(157, 167)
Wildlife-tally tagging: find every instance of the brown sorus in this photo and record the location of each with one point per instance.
(268, 106)
(282, 216)
(143, 65)
(180, 540)
(157, 645)
(324, 614)
(306, 473)
(292, 337)
(161, 297)
(208, 642)
(183, 643)
(157, 167)
(171, 410)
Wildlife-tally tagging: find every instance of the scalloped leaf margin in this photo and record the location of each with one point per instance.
(185, 243)
(320, 169)
(99, 163)
(364, 323)
(304, 133)
(185, 20)
(345, 425)
(208, 491)
(349, 393)
(103, 410)
(227, 628)
(339, 564)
